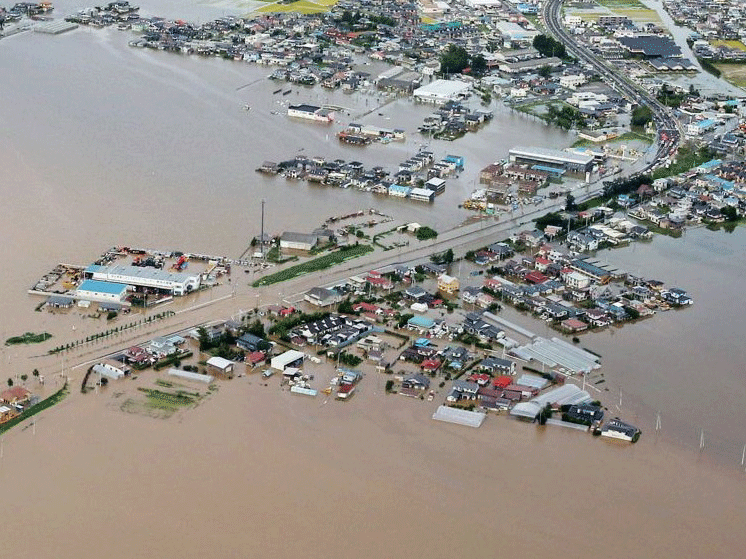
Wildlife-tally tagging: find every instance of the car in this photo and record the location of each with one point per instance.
(268, 373)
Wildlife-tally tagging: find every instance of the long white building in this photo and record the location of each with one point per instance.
(177, 283)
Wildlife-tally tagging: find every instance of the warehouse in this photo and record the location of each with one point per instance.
(144, 276)
(552, 160)
(291, 358)
(94, 290)
(441, 91)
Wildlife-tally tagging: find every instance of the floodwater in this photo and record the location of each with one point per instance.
(103, 144)
(257, 472)
(687, 365)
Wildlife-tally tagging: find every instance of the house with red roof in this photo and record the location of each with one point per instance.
(535, 277)
(256, 357)
(367, 308)
(502, 382)
(379, 282)
(430, 365)
(15, 395)
(541, 263)
(482, 379)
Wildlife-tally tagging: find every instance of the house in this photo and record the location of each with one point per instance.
(417, 381)
(322, 297)
(430, 365)
(573, 325)
(250, 342)
(482, 379)
(6, 413)
(617, 429)
(502, 382)
(138, 356)
(15, 396)
(585, 413)
(255, 358)
(448, 284)
(496, 365)
(345, 391)
(463, 390)
(470, 294)
(220, 366)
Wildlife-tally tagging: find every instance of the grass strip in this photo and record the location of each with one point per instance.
(320, 263)
(33, 410)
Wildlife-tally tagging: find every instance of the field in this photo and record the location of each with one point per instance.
(633, 9)
(731, 43)
(314, 265)
(301, 7)
(734, 73)
(161, 402)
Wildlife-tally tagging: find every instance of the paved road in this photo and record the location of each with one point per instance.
(668, 128)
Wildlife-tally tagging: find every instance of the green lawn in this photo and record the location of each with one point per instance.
(315, 265)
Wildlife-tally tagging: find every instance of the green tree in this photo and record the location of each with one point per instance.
(641, 115)
(478, 65)
(570, 205)
(204, 339)
(35, 372)
(389, 385)
(549, 47)
(453, 60)
(10, 382)
(24, 377)
(545, 71)
(257, 329)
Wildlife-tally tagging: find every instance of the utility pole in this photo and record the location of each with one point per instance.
(261, 238)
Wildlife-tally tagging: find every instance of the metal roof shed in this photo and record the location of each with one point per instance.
(207, 379)
(280, 362)
(107, 372)
(459, 417)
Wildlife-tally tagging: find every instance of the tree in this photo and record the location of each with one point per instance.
(453, 60)
(570, 205)
(257, 329)
(549, 47)
(729, 213)
(10, 382)
(389, 385)
(35, 372)
(204, 338)
(478, 65)
(24, 377)
(641, 115)
(545, 71)
(424, 233)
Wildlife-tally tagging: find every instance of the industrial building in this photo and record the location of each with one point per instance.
(176, 283)
(553, 161)
(441, 91)
(94, 290)
(311, 112)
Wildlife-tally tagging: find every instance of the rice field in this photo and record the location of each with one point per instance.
(301, 7)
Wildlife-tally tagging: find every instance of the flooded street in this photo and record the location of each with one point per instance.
(102, 144)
